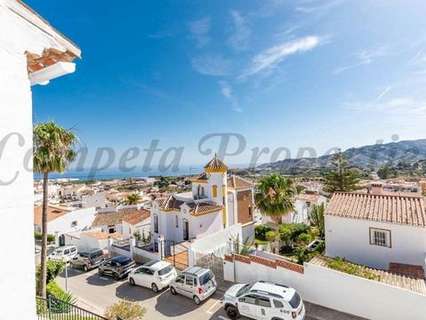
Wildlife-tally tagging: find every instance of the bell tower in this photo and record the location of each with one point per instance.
(217, 185)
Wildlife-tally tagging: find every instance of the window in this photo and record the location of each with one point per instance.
(156, 224)
(74, 224)
(278, 304)
(250, 299)
(380, 237)
(179, 279)
(214, 191)
(189, 281)
(206, 278)
(263, 302)
(295, 301)
(177, 221)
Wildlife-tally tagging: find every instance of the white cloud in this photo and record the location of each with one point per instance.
(403, 106)
(200, 31)
(212, 65)
(269, 58)
(227, 92)
(364, 57)
(239, 39)
(312, 8)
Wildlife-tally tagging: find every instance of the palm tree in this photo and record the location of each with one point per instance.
(275, 195)
(341, 178)
(132, 199)
(316, 218)
(52, 152)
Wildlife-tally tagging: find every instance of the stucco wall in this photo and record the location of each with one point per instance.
(16, 198)
(204, 225)
(350, 238)
(84, 218)
(340, 291)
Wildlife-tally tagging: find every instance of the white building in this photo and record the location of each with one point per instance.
(97, 200)
(215, 202)
(302, 206)
(377, 229)
(62, 220)
(31, 52)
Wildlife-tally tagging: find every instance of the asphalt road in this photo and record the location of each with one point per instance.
(96, 293)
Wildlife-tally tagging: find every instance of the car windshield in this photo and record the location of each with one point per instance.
(84, 254)
(206, 278)
(295, 301)
(245, 289)
(165, 270)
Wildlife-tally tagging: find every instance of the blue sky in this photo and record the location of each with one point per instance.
(292, 74)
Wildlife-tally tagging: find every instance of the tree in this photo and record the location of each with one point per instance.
(132, 199)
(53, 150)
(275, 195)
(386, 172)
(342, 178)
(316, 218)
(125, 310)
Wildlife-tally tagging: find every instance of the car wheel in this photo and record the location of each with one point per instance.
(173, 291)
(232, 312)
(154, 287)
(131, 281)
(196, 300)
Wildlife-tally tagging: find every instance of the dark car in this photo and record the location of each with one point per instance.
(117, 267)
(88, 260)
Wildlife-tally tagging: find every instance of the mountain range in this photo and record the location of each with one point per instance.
(405, 154)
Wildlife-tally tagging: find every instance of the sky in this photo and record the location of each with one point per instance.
(279, 73)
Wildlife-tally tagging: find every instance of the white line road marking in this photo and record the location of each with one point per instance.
(210, 310)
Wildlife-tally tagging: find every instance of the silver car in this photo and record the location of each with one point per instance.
(196, 283)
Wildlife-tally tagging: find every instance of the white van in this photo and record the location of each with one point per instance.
(64, 254)
(263, 301)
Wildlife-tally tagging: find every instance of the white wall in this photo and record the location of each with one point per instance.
(97, 200)
(350, 239)
(84, 218)
(336, 290)
(201, 226)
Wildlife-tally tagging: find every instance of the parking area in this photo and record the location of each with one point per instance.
(96, 293)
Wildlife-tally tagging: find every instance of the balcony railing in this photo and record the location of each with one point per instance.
(53, 309)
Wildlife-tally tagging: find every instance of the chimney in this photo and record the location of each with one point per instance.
(376, 188)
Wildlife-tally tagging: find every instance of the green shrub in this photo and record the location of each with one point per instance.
(54, 268)
(60, 300)
(260, 232)
(304, 238)
(342, 265)
(271, 235)
(38, 236)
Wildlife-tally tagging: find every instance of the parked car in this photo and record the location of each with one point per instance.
(263, 300)
(156, 275)
(196, 283)
(88, 260)
(117, 267)
(64, 254)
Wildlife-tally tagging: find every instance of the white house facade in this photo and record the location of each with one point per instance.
(31, 52)
(377, 230)
(216, 201)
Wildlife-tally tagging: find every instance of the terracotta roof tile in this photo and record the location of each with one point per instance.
(382, 208)
(52, 213)
(236, 182)
(215, 165)
(113, 218)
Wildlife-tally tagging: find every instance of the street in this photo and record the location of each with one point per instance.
(96, 293)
